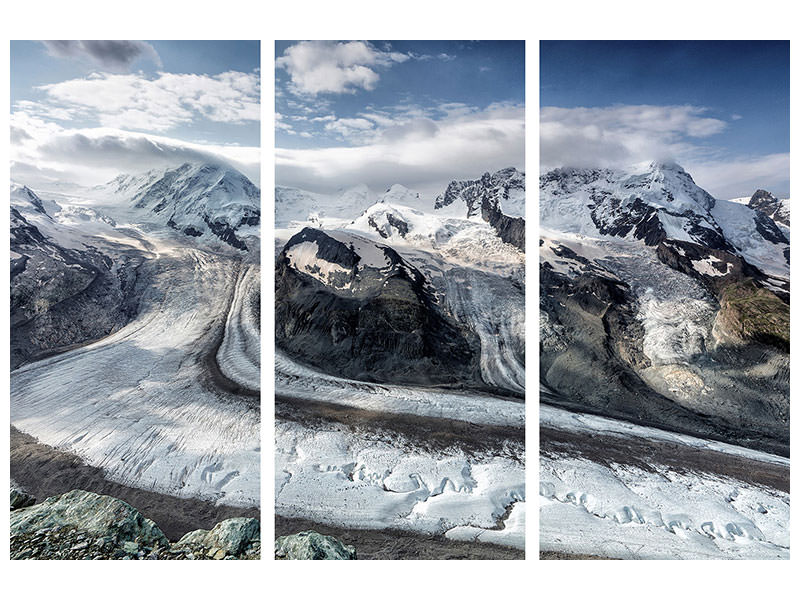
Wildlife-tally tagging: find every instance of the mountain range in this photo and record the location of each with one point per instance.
(664, 305)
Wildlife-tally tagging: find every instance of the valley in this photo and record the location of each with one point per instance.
(137, 336)
(400, 367)
(664, 324)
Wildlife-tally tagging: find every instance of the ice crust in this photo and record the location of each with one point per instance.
(619, 511)
(373, 481)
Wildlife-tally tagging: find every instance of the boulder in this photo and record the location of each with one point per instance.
(310, 545)
(93, 514)
(233, 537)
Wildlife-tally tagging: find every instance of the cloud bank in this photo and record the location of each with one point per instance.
(44, 153)
(134, 101)
(410, 148)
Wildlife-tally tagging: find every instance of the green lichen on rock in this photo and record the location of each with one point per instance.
(91, 513)
(310, 545)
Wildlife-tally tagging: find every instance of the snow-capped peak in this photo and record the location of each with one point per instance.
(653, 202)
(400, 194)
(767, 203)
(503, 190)
(22, 195)
(196, 198)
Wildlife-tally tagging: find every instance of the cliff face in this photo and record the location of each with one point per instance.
(356, 308)
(499, 198)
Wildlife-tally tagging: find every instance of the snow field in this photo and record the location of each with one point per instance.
(620, 511)
(377, 482)
(135, 403)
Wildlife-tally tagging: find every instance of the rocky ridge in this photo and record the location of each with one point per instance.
(497, 197)
(766, 203)
(356, 308)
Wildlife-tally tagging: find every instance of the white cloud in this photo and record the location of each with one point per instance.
(43, 152)
(622, 135)
(133, 101)
(742, 176)
(115, 55)
(349, 128)
(335, 67)
(421, 153)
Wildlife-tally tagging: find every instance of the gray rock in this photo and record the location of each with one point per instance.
(232, 537)
(20, 499)
(89, 513)
(310, 545)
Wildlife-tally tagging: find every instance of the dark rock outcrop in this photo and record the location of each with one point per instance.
(767, 204)
(368, 323)
(21, 499)
(63, 296)
(485, 196)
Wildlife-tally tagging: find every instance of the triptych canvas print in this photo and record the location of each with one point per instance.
(389, 419)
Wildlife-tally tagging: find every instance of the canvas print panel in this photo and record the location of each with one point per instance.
(135, 215)
(399, 300)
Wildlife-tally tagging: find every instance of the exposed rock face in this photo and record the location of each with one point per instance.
(21, 499)
(62, 296)
(355, 308)
(769, 205)
(752, 314)
(310, 545)
(498, 198)
(232, 537)
(85, 525)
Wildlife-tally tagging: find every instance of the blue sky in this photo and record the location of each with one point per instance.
(418, 113)
(82, 111)
(720, 108)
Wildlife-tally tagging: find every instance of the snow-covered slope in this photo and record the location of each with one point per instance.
(655, 202)
(293, 205)
(196, 199)
(755, 236)
(647, 202)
